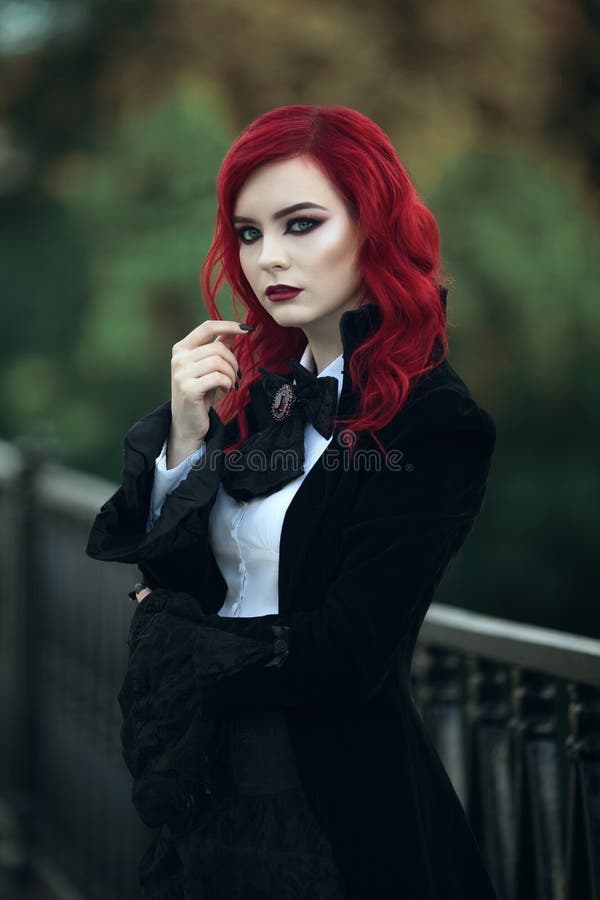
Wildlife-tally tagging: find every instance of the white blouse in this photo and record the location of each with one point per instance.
(245, 535)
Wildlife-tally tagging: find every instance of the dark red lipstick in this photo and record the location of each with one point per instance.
(282, 292)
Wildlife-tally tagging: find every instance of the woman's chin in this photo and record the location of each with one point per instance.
(287, 315)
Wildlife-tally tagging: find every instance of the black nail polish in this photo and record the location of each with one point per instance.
(236, 384)
(245, 327)
(239, 373)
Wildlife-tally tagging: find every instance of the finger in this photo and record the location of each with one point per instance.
(196, 388)
(203, 386)
(226, 340)
(205, 367)
(225, 330)
(207, 351)
(143, 593)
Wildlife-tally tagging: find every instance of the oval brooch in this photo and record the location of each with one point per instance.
(283, 402)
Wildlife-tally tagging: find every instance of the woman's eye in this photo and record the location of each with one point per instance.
(303, 225)
(243, 236)
(248, 234)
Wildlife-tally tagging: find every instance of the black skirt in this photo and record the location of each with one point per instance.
(257, 837)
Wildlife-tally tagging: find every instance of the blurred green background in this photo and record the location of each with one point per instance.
(114, 119)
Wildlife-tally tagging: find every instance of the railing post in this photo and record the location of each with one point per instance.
(583, 836)
(539, 838)
(20, 599)
(490, 790)
(440, 697)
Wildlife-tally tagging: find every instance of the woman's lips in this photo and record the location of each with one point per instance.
(283, 294)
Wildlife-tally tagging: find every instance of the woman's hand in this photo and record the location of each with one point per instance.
(202, 364)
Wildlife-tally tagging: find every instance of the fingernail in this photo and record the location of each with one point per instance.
(138, 587)
(245, 327)
(239, 373)
(236, 384)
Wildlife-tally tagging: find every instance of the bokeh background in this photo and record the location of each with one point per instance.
(114, 118)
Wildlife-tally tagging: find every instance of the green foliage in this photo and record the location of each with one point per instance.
(525, 258)
(148, 201)
(144, 206)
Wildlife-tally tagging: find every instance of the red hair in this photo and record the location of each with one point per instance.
(399, 259)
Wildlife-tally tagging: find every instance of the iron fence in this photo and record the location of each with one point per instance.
(513, 710)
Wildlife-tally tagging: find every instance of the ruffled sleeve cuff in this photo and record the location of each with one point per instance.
(119, 532)
(167, 480)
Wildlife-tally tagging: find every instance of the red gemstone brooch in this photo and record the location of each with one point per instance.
(283, 402)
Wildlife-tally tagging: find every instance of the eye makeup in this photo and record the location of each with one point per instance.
(314, 223)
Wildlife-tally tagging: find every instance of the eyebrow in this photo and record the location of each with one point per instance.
(282, 212)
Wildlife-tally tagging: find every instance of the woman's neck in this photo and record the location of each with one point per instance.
(324, 351)
(324, 336)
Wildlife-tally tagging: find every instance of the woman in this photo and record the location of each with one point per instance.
(289, 556)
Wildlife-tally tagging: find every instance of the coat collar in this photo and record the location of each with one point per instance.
(356, 326)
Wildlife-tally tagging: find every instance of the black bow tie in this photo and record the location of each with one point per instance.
(274, 455)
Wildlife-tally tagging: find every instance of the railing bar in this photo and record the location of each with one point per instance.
(556, 653)
(75, 493)
(11, 463)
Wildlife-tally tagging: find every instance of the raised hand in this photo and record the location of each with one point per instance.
(202, 364)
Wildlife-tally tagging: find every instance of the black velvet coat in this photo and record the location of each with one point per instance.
(363, 548)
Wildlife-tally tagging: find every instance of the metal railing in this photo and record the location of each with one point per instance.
(64, 787)
(513, 710)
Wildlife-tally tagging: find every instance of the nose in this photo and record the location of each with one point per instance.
(273, 254)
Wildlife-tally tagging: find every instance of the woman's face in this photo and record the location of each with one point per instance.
(313, 247)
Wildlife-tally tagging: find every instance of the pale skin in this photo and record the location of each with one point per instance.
(314, 248)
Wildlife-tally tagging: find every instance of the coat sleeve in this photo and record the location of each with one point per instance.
(404, 529)
(175, 553)
(166, 732)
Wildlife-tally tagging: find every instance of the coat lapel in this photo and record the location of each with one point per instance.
(314, 494)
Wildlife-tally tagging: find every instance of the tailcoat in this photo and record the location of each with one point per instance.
(363, 547)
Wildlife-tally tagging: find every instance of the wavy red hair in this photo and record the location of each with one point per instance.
(399, 259)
